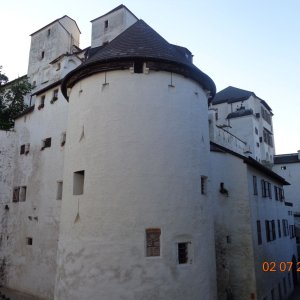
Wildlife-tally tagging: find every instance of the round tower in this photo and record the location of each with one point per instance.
(136, 219)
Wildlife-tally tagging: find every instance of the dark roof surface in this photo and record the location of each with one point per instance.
(113, 10)
(249, 161)
(141, 42)
(240, 113)
(286, 158)
(231, 94)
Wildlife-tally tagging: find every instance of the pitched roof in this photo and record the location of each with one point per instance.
(286, 158)
(231, 94)
(57, 20)
(141, 42)
(113, 10)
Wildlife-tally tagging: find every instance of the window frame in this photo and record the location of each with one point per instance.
(152, 242)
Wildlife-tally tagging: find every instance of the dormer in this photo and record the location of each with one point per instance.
(105, 28)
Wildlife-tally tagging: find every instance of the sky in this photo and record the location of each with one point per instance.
(250, 44)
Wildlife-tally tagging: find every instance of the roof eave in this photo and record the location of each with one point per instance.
(192, 72)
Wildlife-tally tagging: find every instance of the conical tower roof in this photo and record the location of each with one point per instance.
(139, 43)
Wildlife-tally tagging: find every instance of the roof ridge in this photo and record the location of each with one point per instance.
(56, 20)
(113, 10)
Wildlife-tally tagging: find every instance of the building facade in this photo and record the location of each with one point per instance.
(118, 182)
(253, 228)
(104, 197)
(288, 166)
(248, 117)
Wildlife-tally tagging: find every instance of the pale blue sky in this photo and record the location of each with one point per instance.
(249, 44)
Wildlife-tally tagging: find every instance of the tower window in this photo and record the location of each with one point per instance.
(22, 149)
(43, 54)
(59, 190)
(78, 182)
(105, 24)
(29, 241)
(183, 252)
(63, 138)
(203, 185)
(48, 32)
(22, 196)
(153, 242)
(138, 67)
(46, 143)
(16, 194)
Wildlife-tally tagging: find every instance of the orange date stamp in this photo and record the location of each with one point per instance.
(283, 266)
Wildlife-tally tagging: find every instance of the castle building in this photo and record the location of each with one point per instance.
(128, 177)
(102, 192)
(253, 228)
(253, 218)
(288, 166)
(243, 114)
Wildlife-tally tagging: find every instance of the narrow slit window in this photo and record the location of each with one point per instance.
(63, 138)
(183, 253)
(254, 185)
(105, 24)
(203, 185)
(29, 241)
(16, 194)
(259, 237)
(22, 196)
(42, 54)
(22, 149)
(78, 182)
(153, 242)
(59, 190)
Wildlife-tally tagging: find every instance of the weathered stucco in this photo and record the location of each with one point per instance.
(32, 267)
(7, 165)
(143, 152)
(239, 256)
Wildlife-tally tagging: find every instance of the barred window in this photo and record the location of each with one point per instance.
(183, 253)
(153, 242)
